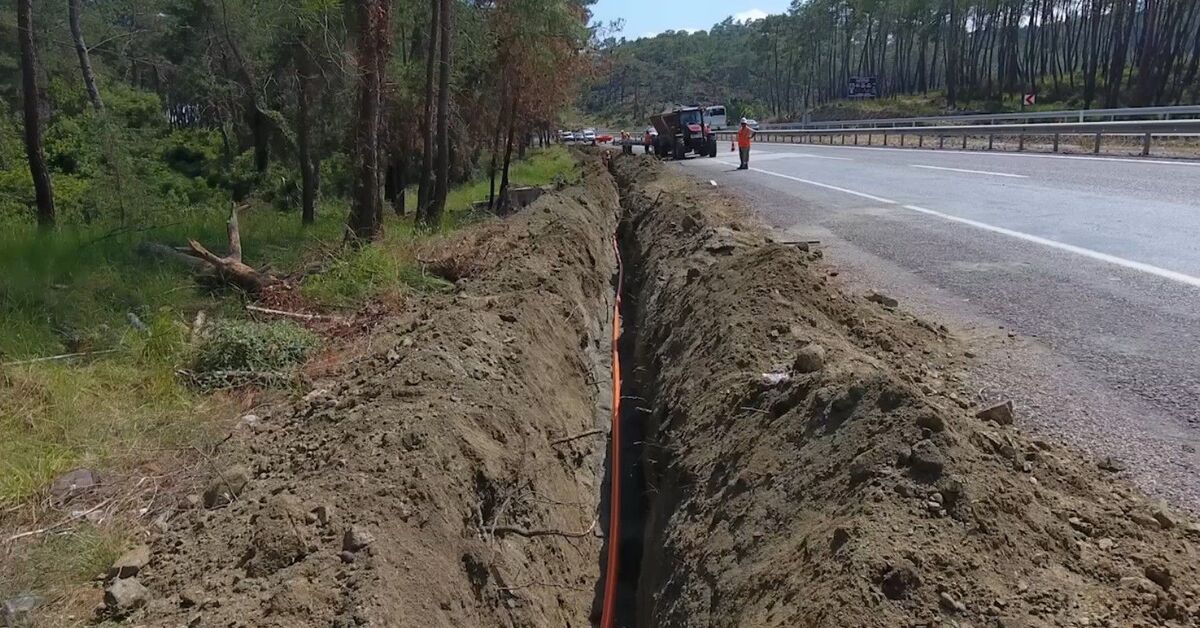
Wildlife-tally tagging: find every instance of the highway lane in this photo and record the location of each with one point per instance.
(1093, 265)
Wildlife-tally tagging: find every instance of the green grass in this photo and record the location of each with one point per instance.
(541, 167)
(72, 290)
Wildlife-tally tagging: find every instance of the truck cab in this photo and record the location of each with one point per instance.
(681, 131)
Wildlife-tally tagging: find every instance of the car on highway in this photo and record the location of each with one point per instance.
(589, 136)
(566, 137)
(752, 123)
(604, 138)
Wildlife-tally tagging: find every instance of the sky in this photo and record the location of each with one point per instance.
(646, 18)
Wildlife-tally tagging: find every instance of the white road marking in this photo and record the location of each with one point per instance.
(1055, 244)
(877, 199)
(1070, 248)
(999, 154)
(987, 172)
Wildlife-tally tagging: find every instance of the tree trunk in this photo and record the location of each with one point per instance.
(425, 185)
(372, 54)
(495, 155)
(308, 179)
(42, 188)
(85, 61)
(508, 145)
(442, 188)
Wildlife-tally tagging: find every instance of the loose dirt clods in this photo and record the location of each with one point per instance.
(393, 492)
(861, 490)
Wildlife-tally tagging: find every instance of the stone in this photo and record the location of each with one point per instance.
(1162, 514)
(18, 611)
(347, 557)
(899, 581)
(73, 483)
(1105, 544)
(1159, 575)
(130, 563)
(1144, 520)
(810, 359)
(356, 538)
(1112, 464)
(927, 458)
(227, 487)
(1192, 530)
(930, 420)
(1080, 526)
(1001, 413)
(124, 595)
(948, 602)
(882, 299)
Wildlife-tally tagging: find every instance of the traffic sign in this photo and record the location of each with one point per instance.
(864, 87)
(1030, 99)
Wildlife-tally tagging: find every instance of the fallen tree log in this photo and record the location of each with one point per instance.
(212, 267)
(231, 268)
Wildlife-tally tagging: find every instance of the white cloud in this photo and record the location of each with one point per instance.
(750, 15)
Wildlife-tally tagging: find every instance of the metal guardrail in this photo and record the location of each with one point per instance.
(1147, 129)
(1079, 115)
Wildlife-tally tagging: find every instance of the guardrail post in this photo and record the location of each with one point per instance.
(885, 139)
(870, 138)
(901, 140)
(1020, 143)
(920, 141)
(1096, 148)
(856, 139)
(941, 141)
(964, 141)
(991, 140)
(1056, 142)
(1145, 145)
(843, 139)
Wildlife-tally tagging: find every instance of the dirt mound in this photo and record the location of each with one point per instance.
(431, 482)
(812, 458)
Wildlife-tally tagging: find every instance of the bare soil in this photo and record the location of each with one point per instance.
(422, 485)
(853, 485)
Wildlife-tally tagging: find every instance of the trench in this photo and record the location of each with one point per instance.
(637, 402)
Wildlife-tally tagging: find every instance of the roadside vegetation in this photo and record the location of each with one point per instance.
(340, 135)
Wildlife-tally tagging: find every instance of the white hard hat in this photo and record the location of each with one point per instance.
(744, 121)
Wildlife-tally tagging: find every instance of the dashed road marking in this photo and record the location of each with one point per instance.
(987, 172)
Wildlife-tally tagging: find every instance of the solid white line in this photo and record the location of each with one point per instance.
(996, 154)
(823, 157)
(994, 174)
(835, 188)
(1070, 248)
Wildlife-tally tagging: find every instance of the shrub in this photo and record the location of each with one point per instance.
(252, 346)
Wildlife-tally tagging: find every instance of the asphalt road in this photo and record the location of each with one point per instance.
(1078, 278)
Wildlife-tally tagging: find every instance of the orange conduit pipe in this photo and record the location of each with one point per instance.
(608, 615)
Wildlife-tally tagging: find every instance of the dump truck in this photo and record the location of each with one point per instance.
(681, 131)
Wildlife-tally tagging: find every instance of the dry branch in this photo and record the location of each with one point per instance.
(568, 439)
(299, 315)
(529, 534)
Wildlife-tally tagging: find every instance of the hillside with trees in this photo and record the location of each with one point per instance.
(980, 54)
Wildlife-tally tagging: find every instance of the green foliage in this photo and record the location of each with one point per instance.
(351, 277)
(233, 345)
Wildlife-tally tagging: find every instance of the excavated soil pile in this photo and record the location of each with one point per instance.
(811, 460)
(429, 483)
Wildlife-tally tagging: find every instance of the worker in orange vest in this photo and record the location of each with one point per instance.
(744, 135)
